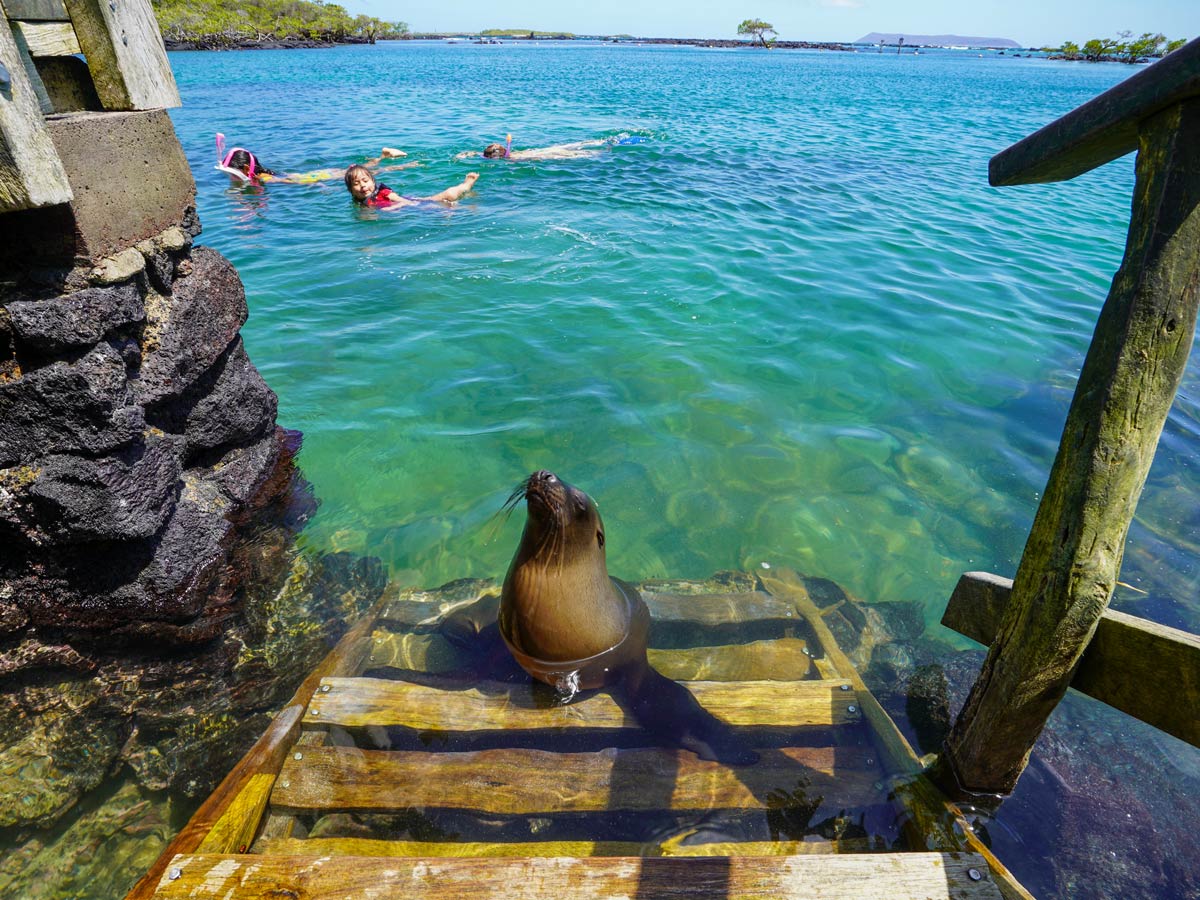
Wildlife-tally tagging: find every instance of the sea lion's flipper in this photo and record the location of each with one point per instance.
(473, 629)
(668, 711)
(467, 626)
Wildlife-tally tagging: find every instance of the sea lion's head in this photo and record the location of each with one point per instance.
(563, 522)
(558, 602)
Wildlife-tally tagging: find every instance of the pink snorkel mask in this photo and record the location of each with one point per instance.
(224, 159)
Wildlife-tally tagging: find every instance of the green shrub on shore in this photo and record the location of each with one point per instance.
(214, 23)
(1123, 48)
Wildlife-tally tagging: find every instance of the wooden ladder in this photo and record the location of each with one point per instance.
(402, 783)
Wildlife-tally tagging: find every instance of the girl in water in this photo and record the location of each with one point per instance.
(366, 191)
(242, 164)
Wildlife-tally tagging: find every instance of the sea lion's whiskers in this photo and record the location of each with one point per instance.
(500, 516)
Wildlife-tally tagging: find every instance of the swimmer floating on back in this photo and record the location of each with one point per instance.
(366, 191)
(245, 166)
(575, 150)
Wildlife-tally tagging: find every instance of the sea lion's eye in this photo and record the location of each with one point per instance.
(600, 539)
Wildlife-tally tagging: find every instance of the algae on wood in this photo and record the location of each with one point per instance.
(31, 174)
(125, 53)
(1073, 555)
(1144, 669)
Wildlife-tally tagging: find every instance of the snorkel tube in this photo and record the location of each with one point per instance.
(223, 159)
(508, 145)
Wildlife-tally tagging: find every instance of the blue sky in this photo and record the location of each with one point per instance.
(1029, 22)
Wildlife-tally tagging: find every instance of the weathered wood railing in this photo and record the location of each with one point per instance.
(124, 68)
(1137, 357)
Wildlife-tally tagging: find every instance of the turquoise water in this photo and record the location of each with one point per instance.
(793, 326)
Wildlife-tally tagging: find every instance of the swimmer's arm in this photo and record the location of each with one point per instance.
(468, 154)
(385, 153)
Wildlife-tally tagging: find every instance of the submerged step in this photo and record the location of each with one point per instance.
(540, 782)
(360, 702)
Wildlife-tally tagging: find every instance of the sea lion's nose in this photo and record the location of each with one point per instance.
(541, 475)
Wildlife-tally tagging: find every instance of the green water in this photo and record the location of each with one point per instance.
(794, 325)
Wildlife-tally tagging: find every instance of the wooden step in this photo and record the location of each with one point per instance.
(783, 659)
(355, 846)
(538, 782)
(897, 876)
(359, 702)
(707, 610)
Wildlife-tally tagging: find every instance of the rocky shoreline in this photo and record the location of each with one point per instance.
(243, 42)
(154, 609)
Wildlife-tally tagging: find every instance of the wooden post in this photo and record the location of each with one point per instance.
(1129, 378)
(125, 53)
(31, 174)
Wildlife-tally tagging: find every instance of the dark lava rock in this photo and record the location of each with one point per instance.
(928, 707)
(68, 407)
(229, 405)
(240, 473)
(186, 333)
(75, 320)
(127, 496)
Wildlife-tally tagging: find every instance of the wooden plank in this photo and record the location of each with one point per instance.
(479, 849)
(234, 831)
(31, 173)
(1104, 128)
(264, 758)
(897, 876)
(36, 10)
(540, 782)
(928, 807)
(31, 71)
(1147, 670)
(48, 38)
(359, 702)
(125, 53)
(777, 660)
(782, 659)
(1128, 383)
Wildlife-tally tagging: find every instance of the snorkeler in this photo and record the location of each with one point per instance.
(242, 164)
(575, 150)
(366, 191)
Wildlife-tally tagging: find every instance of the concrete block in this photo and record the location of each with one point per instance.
(130, 181)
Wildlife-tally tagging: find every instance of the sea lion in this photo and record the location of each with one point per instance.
(571, 625)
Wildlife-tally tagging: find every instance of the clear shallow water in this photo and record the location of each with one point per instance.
(795, 325)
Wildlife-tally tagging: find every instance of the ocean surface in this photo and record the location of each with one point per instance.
(790, 324)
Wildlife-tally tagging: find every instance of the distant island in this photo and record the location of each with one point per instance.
(939, 40)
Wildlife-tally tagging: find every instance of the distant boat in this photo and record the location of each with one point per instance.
(453, 40)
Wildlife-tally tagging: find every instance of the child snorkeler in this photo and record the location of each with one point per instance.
(366, 191)
(242, 164)
(575, 150)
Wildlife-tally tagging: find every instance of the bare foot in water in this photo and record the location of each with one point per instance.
(450, 195)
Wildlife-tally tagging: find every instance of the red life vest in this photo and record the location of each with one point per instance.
(383, 196)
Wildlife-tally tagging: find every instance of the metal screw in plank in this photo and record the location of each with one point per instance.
(175, 874)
